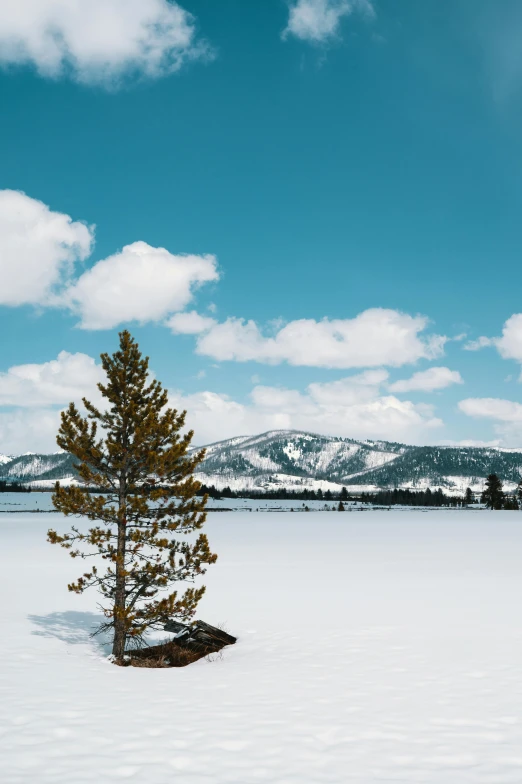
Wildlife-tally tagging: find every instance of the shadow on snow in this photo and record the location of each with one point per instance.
(72, 627)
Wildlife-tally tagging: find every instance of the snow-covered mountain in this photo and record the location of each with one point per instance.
(296, 459)
(292, 459)
(31, 467)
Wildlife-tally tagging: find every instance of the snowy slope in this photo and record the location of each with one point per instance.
(266, 482)
(298, 454)
(31, 466)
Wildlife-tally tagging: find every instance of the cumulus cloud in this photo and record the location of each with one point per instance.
(352, 407)
(68, 377)
(492, 408)
(508, 345)
(318, 21)
(99, 41)
(140, 283)
(506, 415)
(350, 391)
(28, 431)
(38, 248)
(428, 380)
(190, 323)
(375, 337)
(33, 395)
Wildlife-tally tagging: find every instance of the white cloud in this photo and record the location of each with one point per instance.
(351, 407)
(476, 345)
(375, 337)
(319, 20)
(22, 431)
(190, 323)
(98, 41)
(38, 248)
(428, 380)
(506, 414)
(492, 408)
(349, 391)
(34, 394)
(140, 283)
(473, 442)
(69, 377)
(509, 344)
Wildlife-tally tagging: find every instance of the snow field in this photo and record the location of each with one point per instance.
(373, 648)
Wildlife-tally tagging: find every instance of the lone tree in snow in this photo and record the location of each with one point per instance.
(468, 496)
(493, 494)
(132, 451)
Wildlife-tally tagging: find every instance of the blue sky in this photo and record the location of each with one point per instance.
(336, 187)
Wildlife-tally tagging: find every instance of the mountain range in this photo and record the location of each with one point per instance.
(299, 460)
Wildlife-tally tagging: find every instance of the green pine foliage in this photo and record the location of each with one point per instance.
(493, 494)
(411, 498)
(132, 452)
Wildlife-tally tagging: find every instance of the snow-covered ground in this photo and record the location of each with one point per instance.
(382, 647)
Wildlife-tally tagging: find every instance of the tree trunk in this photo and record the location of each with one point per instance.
(120, 624)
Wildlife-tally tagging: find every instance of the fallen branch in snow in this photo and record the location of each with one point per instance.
(189, 644)
(200, 636)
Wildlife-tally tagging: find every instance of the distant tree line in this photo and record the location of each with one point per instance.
(411, 498)
(493, 496)
(13, 487)
(382, 498)
(280, 494)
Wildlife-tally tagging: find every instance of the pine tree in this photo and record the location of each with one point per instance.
(340, 508)
(510, 502)
(493, 495)
(518, 494)
(344, 494)
(133, 453)
(468, 496)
